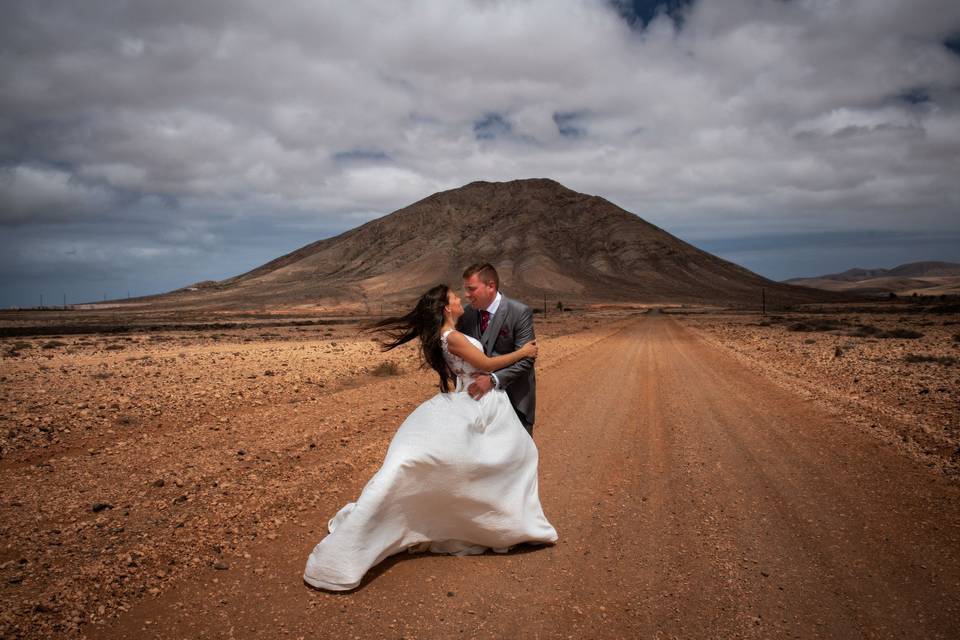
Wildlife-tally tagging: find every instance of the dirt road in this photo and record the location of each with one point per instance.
(693, 499)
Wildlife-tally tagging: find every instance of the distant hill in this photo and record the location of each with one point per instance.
(545, 240)
(923, 278)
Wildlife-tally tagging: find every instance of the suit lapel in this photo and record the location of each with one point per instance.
(493, 329)
(469, 323)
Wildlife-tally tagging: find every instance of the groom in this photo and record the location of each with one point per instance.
(502, 325)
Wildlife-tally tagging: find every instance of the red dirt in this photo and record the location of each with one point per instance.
(693, 497)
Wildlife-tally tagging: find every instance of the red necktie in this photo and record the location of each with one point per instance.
(484, 320)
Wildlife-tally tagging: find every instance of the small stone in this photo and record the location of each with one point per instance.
(221, 566)
(450, 594)
(100, 506)
(159, 482)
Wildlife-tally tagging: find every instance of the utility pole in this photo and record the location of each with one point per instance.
(64, 301)
(41, 301)
(544, 304)
(763, 301)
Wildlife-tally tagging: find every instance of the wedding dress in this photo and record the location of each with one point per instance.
(459, 477)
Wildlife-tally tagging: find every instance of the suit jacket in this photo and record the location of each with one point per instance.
(509, 329)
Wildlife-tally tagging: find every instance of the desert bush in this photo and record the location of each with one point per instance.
(948, 361)
(809, 341)
(864, 330)
(814, 325)
(908, 334)
(838, 352)
(386, 368)
(101, 375)
(114, 347)
(21, 344)
(53, 344)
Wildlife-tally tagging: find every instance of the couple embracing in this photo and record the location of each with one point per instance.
(460, 475)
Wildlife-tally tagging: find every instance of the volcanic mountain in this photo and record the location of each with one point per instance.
(544, 239)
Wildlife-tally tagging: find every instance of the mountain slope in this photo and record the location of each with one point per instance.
(544, 239)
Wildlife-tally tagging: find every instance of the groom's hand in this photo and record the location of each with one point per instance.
(482, 383)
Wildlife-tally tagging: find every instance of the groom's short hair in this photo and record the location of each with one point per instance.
(484, 271)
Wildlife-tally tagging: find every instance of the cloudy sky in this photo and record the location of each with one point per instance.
(148, 145)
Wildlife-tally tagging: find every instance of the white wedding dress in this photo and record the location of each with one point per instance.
(459, 477)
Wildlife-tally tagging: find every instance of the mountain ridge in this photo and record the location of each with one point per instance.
(923, 278)
(544, 239)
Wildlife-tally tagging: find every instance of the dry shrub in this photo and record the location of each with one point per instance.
(908, 334)
(818, 324)
(864, 331)
(947, 361)
(386, 368)
(53, 344)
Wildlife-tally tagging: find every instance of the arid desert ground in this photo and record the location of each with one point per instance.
(710, 473)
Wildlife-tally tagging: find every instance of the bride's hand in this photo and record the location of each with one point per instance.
(529, 350)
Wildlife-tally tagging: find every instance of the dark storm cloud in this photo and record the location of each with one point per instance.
(188, 141)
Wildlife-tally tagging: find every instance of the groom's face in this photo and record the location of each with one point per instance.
(480, 294)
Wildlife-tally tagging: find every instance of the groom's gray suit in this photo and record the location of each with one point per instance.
(508, 330)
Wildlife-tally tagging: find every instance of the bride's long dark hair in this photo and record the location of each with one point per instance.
(423, 322)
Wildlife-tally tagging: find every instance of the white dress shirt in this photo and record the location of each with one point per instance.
(492, 310)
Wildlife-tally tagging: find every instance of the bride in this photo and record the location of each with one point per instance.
(460, 475)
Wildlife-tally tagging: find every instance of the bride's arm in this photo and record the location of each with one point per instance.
(458, 345)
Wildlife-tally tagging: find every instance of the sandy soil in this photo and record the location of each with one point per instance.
(896, 374)
(173, 488)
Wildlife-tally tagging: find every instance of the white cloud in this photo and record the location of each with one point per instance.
(756, 114)
(35, 194)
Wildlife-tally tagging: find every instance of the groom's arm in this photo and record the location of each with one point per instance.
(522, 334)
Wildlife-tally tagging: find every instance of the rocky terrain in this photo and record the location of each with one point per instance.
(164, 483)
(132, 460)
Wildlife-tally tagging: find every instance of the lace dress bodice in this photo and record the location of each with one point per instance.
(460, 367)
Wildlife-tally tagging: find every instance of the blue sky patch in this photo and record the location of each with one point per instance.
(490, 126)
(570, 123)
(639, 13)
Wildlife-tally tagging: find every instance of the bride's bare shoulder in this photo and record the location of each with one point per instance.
(455, 339)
